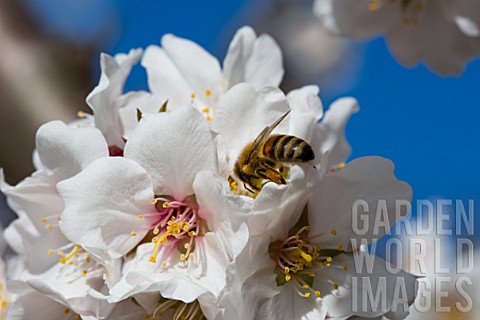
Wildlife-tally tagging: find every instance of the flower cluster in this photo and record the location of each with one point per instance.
(135, 212)
(442, 34)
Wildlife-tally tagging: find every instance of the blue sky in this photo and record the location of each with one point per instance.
(427, 124)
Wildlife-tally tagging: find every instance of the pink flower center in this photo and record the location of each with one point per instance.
(176, 224)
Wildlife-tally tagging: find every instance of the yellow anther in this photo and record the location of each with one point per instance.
(345, 268)
(307, 228)
(153, 258)
(183, 257)
(89, 260)
(50, 251)
(305, 286)
(192, 95)
(307, 294)
(329, 259)
(48, 226)
(209, 119)
(287, 269)
(156, 231)
(153, 201)
(205, 110)
(71, 262)
(140, 216)
(373, 6)
(165, 205)
(44, 220)
(164, 264)
(288, 277)
(191, 233)
(154, 239)
(59, 218)
(133, 233)
(66, 310)
(317, 293)
(81, 114)
(146, 316)
(335, 286)
(304, 255)
(70, 255)
(334, 232)
(340, 247)
(208, 92)
(186, 245)
(190, 255)
(312, 274)
(341, 165)
(163, 239)
(84, 273)
(59, 253)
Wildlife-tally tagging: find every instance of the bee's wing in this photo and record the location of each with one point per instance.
(263, 136)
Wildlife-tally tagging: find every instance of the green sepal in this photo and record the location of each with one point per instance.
(163, 108)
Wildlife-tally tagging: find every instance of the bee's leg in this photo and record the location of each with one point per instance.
(271, 174)
(245, 186)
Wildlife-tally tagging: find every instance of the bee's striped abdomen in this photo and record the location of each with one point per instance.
(286, 148)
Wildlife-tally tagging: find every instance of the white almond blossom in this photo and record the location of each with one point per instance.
(163, 198)
(302, 265)
(115, 113)
(179, 73)
(51, 264)
(443, 34)
(137, 217)
(185, 73)
(245, 111)
(34, 305)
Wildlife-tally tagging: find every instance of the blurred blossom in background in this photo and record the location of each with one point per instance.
(427, 124)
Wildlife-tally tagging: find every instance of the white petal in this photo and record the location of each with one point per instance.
(126, 310)
(353, 18)
(34, 305)
(330, 133)
(288, 304)
(250, 281)
(102, 204)
(466, 15)
(115, 71)
(143, 276)
(130, 102)
(340, 304)
(257, 61)
(278, 207)
(65, 151)
(369, 179)
(243, 112)
(216, 204)
(412, 44)
(173, 147)
(307, 109)
(22, 236)
(36, 196)
(180, 68)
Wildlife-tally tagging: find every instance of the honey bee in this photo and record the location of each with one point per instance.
(263, 158)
